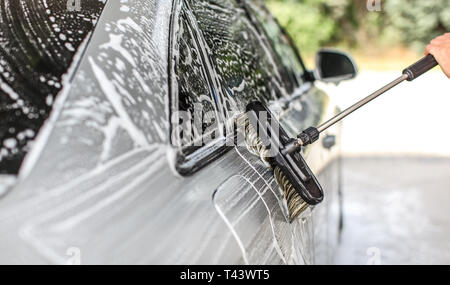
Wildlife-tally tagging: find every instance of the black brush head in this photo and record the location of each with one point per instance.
(293, 166)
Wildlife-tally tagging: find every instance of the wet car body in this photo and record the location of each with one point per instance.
(106, 181)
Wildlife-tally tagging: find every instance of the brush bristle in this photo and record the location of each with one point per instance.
(253, 141)
(296, 205)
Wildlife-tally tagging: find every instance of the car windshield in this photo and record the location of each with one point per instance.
(39, 40)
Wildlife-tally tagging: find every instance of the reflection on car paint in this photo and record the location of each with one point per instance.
(39, 40)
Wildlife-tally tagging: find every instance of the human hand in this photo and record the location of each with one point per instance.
(440, 49)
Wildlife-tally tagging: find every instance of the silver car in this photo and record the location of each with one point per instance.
(94, 166)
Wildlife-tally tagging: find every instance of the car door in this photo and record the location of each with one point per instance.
(241, 55)
(235, 67)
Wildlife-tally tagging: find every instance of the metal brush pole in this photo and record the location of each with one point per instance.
(361, 103)
(311, 134)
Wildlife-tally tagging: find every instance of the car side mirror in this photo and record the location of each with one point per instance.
(334, 66)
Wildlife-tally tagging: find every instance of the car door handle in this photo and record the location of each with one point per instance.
(329, 141)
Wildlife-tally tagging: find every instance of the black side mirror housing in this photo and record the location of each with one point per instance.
(334, 66)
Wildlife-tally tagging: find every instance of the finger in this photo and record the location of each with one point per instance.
(435, 47)
(444, 37)
(428, 49)
(441, 39)
(432, 50)
(437, 40)
(436, 52)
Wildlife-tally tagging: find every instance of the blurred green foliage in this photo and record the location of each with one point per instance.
(307, 22)
(316, 23)
(419, 21)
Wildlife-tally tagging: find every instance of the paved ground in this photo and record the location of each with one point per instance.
(397, 211)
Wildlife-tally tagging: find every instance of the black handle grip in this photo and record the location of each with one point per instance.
(420, 67)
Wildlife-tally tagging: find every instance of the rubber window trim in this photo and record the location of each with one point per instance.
(189, 159)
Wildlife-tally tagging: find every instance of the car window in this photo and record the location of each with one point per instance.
(243, 63)
(38, 42)
(194, 104)
(284, 53)
(225, 55)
